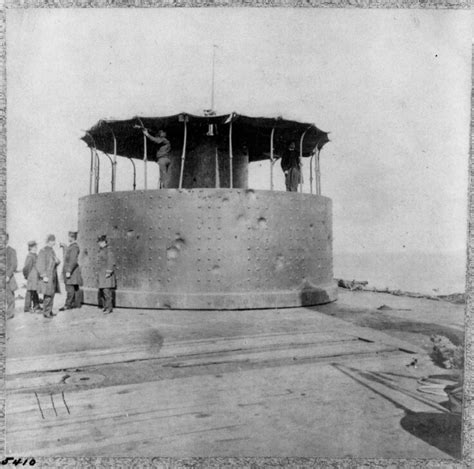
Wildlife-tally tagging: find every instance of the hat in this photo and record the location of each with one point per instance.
(50, 237)
(73, 234)
(32, 244)
(102, 238)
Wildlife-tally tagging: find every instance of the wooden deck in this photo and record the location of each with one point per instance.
(292, 382)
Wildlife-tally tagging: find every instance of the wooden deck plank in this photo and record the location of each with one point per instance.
(83, 358)
(189, 415)
(292, 402)
(335, 352)
(85, 329)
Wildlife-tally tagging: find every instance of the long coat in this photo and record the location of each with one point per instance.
(12, 265)
(290, 159)
(46, 264)
(71, 265)
(30, 272)
(106, 268)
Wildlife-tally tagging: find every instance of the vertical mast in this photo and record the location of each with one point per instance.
(213, 74)
(210, 112)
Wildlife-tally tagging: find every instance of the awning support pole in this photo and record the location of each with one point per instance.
(311, 173)
(231, 156)
(114, 161)
(112, 170)
(134, 173)
(301, 158)
(91, 175)
(218, 180)
(94, 176)
(318, 173)
(272, 161)
(145, 155)
(145, 160)
(114, 165)
(97, 171)
(183, 153)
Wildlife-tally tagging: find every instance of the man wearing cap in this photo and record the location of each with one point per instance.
(106, 274)
(47, 268)
(162, 155)
(11, 285)
(30, 272)
(71, 272)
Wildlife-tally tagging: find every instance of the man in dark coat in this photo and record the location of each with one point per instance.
(47, 268)
(71, 272)
(30, 272)
(11, 285)
(106, 274)
(290, 164)
(162, 156)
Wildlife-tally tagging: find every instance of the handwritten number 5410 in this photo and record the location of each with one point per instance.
(19, 461)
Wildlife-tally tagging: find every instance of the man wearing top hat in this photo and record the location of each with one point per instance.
(30, 272)
(71, 272)
(106, 274)
(11, 285)
(47, 268)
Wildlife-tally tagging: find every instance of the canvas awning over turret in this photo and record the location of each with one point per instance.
(251, 133)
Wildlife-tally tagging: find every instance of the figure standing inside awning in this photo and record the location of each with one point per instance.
(290, 164)
(162, 156)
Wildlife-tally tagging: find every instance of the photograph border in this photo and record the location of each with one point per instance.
(135, 462)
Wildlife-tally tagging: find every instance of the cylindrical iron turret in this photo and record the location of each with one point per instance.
(211, 248)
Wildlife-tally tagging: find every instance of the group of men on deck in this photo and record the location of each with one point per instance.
(40, 270)
(40, 273)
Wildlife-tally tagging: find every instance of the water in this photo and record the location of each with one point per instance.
(421, 272)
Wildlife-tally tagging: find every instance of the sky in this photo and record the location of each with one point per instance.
(391, 86)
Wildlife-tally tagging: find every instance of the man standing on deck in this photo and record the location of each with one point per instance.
(30, 272)
(290, 164)
(11, 285)
(106, 274)
(162, 155)
(71, 272)
(49, 284)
